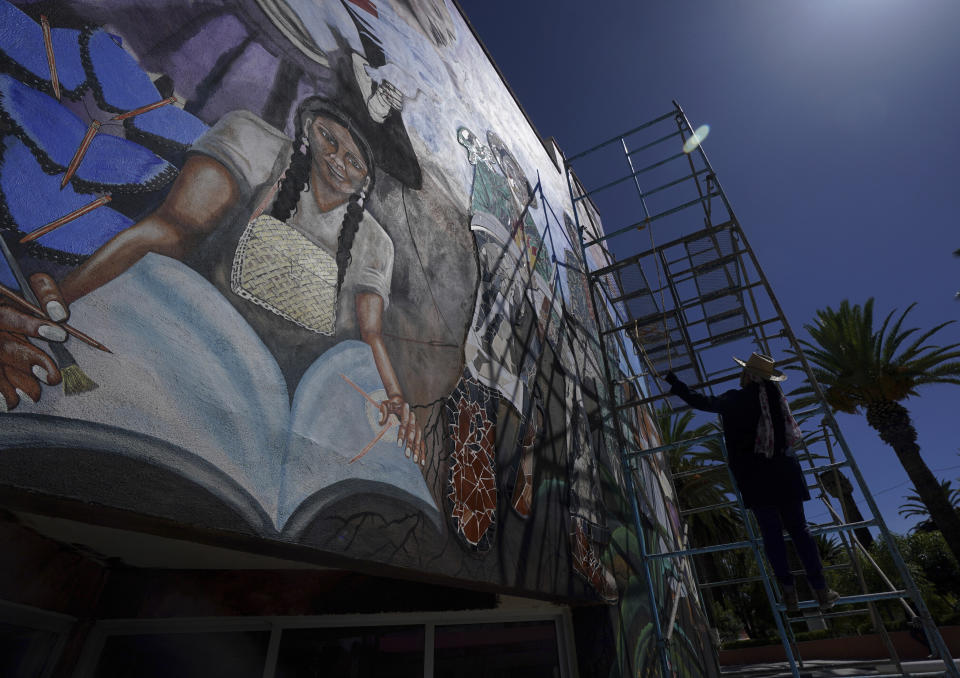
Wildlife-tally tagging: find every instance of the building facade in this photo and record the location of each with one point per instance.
(332, 393)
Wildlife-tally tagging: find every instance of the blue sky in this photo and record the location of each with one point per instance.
(835, 131)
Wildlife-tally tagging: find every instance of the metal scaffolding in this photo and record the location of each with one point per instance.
(678, 287)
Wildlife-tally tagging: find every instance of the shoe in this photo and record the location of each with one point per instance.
(790, 600)
(826, 598)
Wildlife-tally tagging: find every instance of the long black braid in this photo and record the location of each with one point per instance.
(348, 230)
(296, 179)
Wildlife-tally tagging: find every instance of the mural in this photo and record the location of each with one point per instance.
(303, 271)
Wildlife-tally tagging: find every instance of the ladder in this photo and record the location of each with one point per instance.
(685, 294)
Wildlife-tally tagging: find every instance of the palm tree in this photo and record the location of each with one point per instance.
(914, 508)
(839, 486)
(860, 368)
(702, 482)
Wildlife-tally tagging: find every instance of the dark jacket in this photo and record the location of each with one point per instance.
(763, 482)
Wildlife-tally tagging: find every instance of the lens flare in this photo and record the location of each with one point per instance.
(694, 140)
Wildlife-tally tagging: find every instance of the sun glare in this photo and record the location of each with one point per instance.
(694, 140)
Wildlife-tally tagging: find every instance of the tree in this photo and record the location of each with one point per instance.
(914, 508)
(839, 486)
(860, 368)
(956, 253)
(703, 481)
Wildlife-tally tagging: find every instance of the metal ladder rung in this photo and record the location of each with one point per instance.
(640, 256)
(699, 472)
(756, 578)
(844, 527)
(732, 546)
(655, 142)
(856, 599)
(733, 334)
(634, 322)
(666, 350)
(725, 315)
(632, 175)
(826, 467)
(705, 509)
(695, 302)
(655, 217)
(829, 615)
(676, 368)
(681, 443)
(643, 291)
(730, 582)
(675, 182)
(708, 266)
(621, 137)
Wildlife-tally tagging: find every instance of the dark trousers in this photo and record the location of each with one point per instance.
(772, 521)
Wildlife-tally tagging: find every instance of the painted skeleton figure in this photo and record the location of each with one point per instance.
(500, 362)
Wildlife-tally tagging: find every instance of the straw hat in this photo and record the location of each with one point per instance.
(762, 366)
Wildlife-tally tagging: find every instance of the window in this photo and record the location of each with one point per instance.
(239, 654)
(373, 652)
(25, 652)
(507, 650)
(30, 640)
(471, 644)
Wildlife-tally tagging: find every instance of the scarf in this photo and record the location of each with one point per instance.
(765, 437)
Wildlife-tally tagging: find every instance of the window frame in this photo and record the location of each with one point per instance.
(41, 620)
(560, 616)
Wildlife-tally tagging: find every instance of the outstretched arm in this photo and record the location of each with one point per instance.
(697, 401)
(198, 200)
(370, 322)
(201, 196)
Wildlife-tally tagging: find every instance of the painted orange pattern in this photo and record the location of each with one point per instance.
(473, 486)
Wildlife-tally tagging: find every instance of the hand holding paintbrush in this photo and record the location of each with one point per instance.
(24, 365)
(48, 331)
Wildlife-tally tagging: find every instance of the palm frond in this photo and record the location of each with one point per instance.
(914, 507)
(856, 365)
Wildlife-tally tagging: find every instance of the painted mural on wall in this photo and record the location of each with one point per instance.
(301, 270)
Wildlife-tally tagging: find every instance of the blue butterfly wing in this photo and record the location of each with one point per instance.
(121, 85)
(115, 164)
(34, 199)
(21, 41)
(44, 124)
(117, 77)
(111, 164)
(171, 123)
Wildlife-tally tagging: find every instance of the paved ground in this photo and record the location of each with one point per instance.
(831, 669)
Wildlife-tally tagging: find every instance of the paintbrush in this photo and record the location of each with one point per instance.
(65, 219)
(80, 152)
(51, 61)
(35, 310)
(75, 380)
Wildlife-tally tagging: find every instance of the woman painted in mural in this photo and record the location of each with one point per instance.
(280, 229)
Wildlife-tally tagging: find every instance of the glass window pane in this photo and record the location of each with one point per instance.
(24, 652)
(504, 650)
(238, 654)
(381, 652)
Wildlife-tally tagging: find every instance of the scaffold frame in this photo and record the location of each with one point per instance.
(678, 288)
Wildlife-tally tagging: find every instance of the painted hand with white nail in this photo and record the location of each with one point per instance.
(23, 366)
(409, 434)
